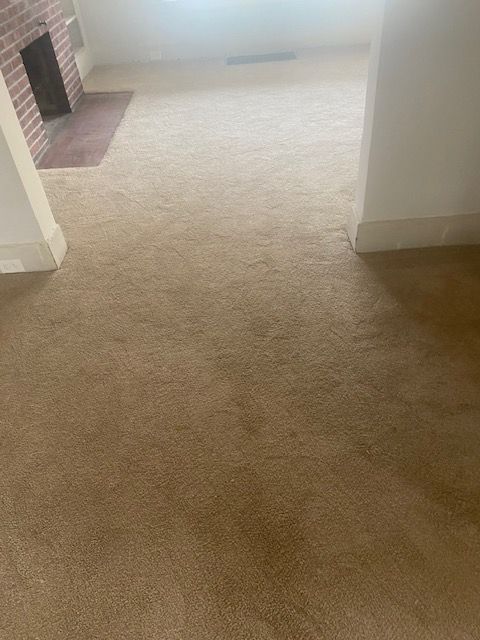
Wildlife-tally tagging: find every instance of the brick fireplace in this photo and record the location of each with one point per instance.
(23, 23)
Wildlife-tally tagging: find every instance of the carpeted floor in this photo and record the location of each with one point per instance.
(217, 422)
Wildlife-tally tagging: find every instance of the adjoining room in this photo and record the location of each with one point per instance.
(240, 322)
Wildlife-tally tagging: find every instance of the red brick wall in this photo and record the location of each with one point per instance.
(18, 28)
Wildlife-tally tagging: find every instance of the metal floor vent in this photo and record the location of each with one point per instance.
(265, 57)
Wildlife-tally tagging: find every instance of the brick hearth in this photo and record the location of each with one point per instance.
(20, 26)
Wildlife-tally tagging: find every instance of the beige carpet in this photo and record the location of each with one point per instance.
(217, 422)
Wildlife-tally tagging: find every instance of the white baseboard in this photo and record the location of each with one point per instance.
(410, 233)
(45, 255)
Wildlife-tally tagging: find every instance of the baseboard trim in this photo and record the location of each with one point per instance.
(412, 233)
(44, 255)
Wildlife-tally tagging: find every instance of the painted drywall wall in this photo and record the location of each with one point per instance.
(16, 220)
(421, 150)
(27, 226)
(142, 30)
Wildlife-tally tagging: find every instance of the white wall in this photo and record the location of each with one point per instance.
(83, 55)
(142, 30)
(28, 231)
(421, 150)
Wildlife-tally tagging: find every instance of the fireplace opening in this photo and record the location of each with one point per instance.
(45, 78)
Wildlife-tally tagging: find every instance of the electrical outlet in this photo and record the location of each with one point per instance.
(11, 266)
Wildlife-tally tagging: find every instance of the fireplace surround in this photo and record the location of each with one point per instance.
(23, 22)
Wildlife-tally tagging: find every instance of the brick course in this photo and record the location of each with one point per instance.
(19, 27)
